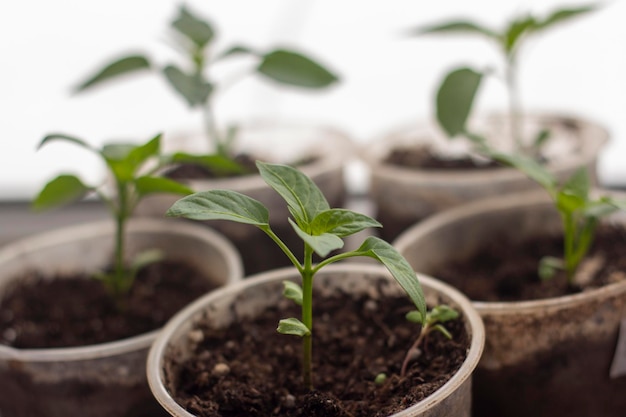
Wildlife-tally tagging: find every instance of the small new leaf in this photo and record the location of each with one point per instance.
(198, 31)
(292, 291)
(322, 244)
(293, 326)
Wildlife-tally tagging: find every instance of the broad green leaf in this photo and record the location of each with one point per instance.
(62, 190)
(562, 15)
(192, 88)
(215, 162)
(71, 139)
(149, 185)
(292, 291)
(531, 168)
(115, 155)
(401, 270)
(414, 316)
(461, 26)
(322, 244)
(292, 68)
(303, 197)
(516, 30)
(341, 222)
(121, 66)
(293, 326)
(221, 205)
(197, 30)
(455, 99)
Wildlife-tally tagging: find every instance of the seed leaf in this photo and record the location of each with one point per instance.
(292, 291)
(71, 139)
(221, 205)
(293, 326)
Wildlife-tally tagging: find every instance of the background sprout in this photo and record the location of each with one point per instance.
(126, 164)
(321, 229)
(195, 39)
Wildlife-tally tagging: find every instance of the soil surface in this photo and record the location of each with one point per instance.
(249, 369)
(507, 271)
(421, 157)
(69, 311)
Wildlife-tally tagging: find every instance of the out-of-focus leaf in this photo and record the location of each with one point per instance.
(192, 88)
(199, 31)
(62, 190)
(117, 68)
(455, 99)
(461, 26)
(293, 68)
(322, 244)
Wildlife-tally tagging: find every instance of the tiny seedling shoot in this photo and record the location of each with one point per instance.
(456, 94)
(321, 229)
(195, 39)
(580, 212)
(125, 164)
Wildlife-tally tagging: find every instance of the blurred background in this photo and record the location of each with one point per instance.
(387, 77)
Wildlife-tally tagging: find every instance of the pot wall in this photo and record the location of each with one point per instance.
(106, 379)
(405, 196)
(542, 357)
(265, 290)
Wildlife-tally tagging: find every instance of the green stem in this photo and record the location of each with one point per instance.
(307, 317)
(268, 231)
(120, 219)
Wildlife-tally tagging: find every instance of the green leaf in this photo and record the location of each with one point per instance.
(322, 244)
(602, 208)
(138, 155)
(461, 26)
(548, 265)
(541, 138)
(115, 155)
(414, 316)
(455, 99)
(303, 197)
(292, 291)
(443, 313)
(235, 50)
(221, 205)
(515, 30)
(341, 222)
(442, 330)
(121, 66)
(215, 162)
(62, 190)
(149, 185)
(401, 270)
(192, 88)
(562, 15)
(71, 139)
(293, 326)
(578, 184)
(198, 31)
(292, 68)
(531, 168)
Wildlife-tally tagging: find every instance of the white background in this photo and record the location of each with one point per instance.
(47, 47)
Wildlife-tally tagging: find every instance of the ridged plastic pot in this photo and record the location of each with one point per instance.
(542, 357)
(106, 379)
(403, 196)
(265, 290)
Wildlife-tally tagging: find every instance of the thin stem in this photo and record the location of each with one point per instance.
(119, 238)
(410, 353)
(307, 317)
(268, 231)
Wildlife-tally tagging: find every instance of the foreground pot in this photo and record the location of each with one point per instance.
(247, 298)
(323, 153)
(542, 357)
(404, 196)
(106, 379)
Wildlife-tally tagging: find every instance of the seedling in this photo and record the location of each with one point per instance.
(126, 164)
(457, 92)
(195, 39)
(321, 229)
(432, 321)
(580, 212)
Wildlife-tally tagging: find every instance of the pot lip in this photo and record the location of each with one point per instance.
(472, 317)
(332, 149)
(89, 229)
(374, 152)
(526, 199)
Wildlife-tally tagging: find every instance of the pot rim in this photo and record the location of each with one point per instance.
(473, 320)
(527, 199)
(374, 153)
(105, 227)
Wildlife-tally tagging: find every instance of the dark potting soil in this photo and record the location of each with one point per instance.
(70, 311)
(248, 369)
(507, 271)
(421, 157)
